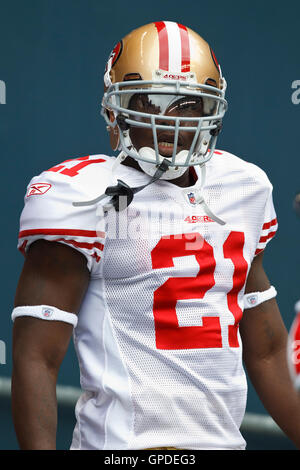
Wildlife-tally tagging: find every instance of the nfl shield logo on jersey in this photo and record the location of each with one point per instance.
(192, 199)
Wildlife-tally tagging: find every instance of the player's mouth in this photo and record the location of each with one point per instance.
(166, 145)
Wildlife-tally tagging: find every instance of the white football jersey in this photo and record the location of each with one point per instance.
(157, 338)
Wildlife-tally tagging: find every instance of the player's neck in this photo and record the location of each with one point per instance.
(189, 178)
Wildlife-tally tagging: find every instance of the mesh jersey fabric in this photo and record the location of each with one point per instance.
(157, 338)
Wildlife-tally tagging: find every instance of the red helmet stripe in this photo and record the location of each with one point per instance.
(163, 45)
(185, 49)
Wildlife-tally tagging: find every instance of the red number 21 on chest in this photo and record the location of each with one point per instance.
(169, 335)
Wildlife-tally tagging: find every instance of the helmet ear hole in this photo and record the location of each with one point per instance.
(211, 82)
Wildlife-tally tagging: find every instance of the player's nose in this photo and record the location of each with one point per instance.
(165, 122)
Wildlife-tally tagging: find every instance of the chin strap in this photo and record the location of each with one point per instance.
(209, 212)
(121, 194)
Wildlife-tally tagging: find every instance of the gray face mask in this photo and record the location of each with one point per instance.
(174, 106)
(168, 102)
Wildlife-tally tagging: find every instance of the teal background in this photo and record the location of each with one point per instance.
(52, 58)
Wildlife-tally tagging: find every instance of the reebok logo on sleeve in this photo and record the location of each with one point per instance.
(38, 189)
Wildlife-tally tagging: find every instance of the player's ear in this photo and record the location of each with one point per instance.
(114, 134)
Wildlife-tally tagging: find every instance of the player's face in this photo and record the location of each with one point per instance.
(167, 105)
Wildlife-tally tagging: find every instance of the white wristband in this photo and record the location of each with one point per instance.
(255, 298)
(44, 312)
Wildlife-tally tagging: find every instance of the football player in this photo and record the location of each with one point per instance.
(153, 260)
(293, 348)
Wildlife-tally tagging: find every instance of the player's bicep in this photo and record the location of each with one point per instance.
(262, 329)
(53, 274)
(257, 280)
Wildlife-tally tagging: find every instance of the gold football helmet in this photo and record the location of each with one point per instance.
(153, 78)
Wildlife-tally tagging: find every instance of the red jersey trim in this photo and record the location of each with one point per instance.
(267, 237)
(269, 224)
(62, 231)
(88, 246)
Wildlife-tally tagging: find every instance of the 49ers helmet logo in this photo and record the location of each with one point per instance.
(114, 55)
(214, 59)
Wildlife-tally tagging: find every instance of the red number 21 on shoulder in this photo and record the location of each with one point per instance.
(169, 335)
(79, 164)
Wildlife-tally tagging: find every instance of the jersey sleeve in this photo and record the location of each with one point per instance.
(49, 212)
(269, 226)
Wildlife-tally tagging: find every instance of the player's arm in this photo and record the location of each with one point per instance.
(264, 339)
(53, 274)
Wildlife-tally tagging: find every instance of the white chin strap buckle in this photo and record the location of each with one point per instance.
(150, 168)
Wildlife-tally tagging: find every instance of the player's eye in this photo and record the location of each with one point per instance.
(143, 103)
(188, 105)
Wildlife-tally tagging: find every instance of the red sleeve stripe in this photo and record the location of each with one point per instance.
(259, 251)
(267, 237)
(88, 246)
(63, 231)
(22, 248)
(269, 224)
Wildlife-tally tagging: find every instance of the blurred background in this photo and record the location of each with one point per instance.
(52, 59)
